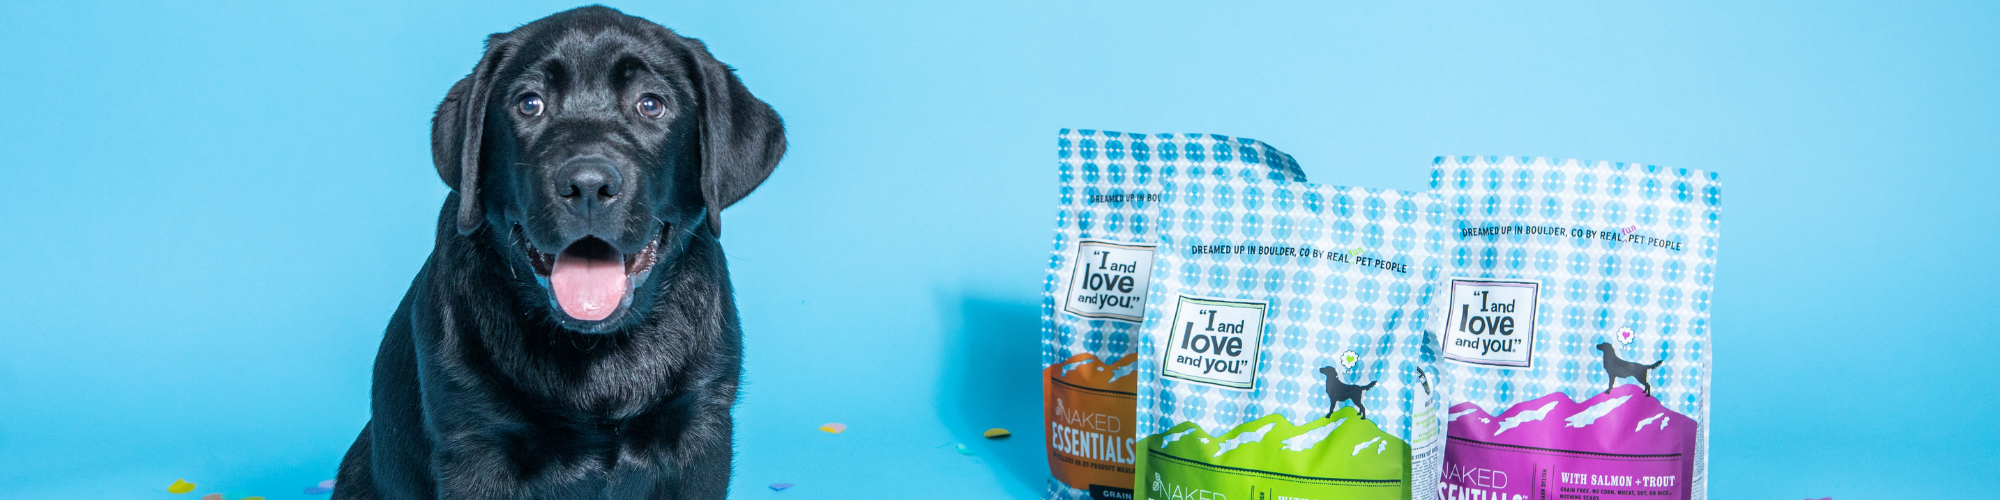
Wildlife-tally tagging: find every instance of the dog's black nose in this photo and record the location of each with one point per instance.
(587, 184)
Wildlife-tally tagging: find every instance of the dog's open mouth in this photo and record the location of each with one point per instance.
(589, 280)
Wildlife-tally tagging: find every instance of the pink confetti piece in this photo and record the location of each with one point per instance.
(834, 428)
(780, 486)
(328, 484)
(212, 496)
(318, 490)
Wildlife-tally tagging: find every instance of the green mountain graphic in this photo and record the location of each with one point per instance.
(1340, 455)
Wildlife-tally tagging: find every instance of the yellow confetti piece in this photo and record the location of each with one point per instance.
(997, 433)
(833, 428)
(180, 486)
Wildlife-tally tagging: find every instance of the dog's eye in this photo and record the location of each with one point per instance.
(652, 107)
(531, 105)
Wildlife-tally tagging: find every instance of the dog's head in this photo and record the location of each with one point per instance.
(1604, 346)
(1329, 372)
(589, 147)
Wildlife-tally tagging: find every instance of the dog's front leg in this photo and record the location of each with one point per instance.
(700, 447)
(705, 474)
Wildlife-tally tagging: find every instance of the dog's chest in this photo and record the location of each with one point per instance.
(590, 459)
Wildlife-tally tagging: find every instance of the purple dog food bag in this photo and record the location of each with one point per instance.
(1573, 322)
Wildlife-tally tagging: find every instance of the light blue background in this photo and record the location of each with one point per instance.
(211, 209)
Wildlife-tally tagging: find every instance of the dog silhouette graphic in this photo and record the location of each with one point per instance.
(1337, 391)
(1615, 368)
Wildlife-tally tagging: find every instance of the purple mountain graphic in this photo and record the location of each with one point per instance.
(1616, 444)
(1623, 421)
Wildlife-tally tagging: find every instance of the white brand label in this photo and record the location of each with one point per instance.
(1215, 342)
(1491, 322)
(1109, 281)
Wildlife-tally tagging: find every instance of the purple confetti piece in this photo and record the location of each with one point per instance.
(780, 486)
(328, 484)
(318, 490)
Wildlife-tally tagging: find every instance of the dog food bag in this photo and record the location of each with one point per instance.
(1095, 295)
(1283, 353)
(1573, 314)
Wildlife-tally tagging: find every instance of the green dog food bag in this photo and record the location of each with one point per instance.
(1094, 297)
(1573, 312)
(1283, 353)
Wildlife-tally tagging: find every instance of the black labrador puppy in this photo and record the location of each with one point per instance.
(573, 334)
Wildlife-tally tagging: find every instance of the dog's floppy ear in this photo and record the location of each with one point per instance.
(457, 131)
(741, 137)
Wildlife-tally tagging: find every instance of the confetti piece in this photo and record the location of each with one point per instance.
(318, 490)
(997, 433)
(212, 496)
(252, 498)
(180, 486)
(780, 486)
(964, 450)
(328, 484)
(833, 428)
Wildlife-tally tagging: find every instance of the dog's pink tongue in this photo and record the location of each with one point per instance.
(588, 289)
